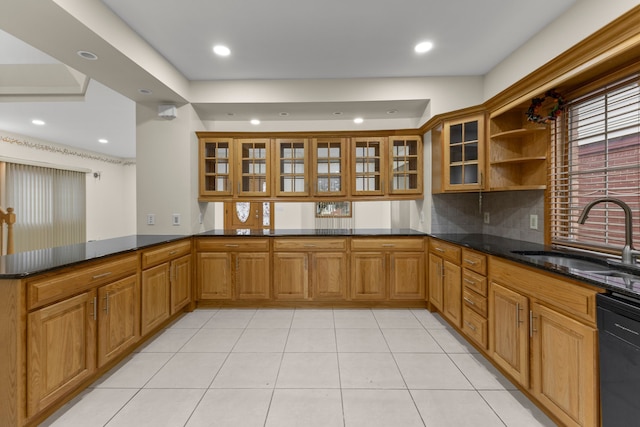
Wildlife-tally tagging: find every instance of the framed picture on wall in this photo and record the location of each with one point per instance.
(333, 209)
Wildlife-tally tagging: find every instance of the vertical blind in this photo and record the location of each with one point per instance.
(49, 204)
(595, 153)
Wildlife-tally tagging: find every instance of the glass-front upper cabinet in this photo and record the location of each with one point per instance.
(367, 166)
(253, 156)
(330, 166)
(292, 167)
(463, 154)
(405, 165)
(216, 166)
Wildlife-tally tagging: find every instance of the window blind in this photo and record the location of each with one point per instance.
(595, 153)
(49, 204)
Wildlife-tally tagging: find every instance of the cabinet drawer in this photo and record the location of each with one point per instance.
(310, 244)
(377, 244)
(58, 286)
(445, 250)
(232, 245)
(474, 261)
(474, 326)
(165, 253)
(474, 281)
(475, 302)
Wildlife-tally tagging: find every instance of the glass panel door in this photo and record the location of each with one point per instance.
(330, 167)
(463, 152)
(368, 172)
(215, 178)
(291, 167)
(254, 167)
(405, 167)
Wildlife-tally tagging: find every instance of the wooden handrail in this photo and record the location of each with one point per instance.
(8, 218)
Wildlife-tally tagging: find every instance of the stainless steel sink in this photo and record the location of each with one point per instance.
(568, 260)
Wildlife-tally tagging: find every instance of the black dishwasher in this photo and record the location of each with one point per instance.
(619, 342)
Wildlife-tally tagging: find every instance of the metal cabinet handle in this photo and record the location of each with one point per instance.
(388, 245)
(518, 309)
(229, 245)
(95, 308)
(468, 261)
(469, 301)
(309, 245)
(100, 276)
(531, 328)
(439, 250)
(471, 282)
(471, 326)
(173, 252)
(106, 303)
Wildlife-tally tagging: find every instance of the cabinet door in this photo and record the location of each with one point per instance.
(118, 318)
(405, 165)
(292, 167)
(407, 279)
(254, 167)
(180, 283)
(452, 292)
(61, 345)
(252, 276)
(329, 275)
(368, 166)
(463, 154)
(216, 167)
(436, 276)
(368, 276)
(509, 331)
(330, 167)
(156, 297)
(564, 364)
(214, 276)
(290, 276)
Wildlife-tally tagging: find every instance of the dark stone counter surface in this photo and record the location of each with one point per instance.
(24, 264)
(27, 264)
(504, 248)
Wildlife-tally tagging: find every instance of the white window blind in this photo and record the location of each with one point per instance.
(595, 153)
(49, 204)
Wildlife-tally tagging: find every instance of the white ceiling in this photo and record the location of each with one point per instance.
(276, 39)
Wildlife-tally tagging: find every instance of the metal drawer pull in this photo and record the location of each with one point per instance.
(626, 329)
(469, 301)
(309, 245)
(100, 276)
(468, 261)
(229, 245)
(388, 245)
(173, 252)
(440, 250)
(470, 325)
(471, 282)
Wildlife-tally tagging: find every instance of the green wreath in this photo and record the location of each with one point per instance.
(533, 113)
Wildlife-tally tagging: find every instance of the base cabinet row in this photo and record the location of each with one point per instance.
(70, 340)
(311, 269)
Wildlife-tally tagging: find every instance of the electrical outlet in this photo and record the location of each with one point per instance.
(175, 219)
(487, 218)
(533, 222)
(151, 219)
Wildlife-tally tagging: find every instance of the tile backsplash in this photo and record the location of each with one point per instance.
(509, 214)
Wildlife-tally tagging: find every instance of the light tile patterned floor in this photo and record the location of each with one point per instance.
(303, 367)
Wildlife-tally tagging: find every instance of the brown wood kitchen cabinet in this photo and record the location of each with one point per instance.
(387, 268)
(166, 283)
(310, 269)
(233, 268)
(542, 333)
(445, 285)
(474, 297)
(67, 326)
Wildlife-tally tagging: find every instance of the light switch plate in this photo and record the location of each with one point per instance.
(487, 218)
(533, 222)
(151, 219)
(175, 219)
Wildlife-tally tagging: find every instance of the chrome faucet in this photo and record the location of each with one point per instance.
(628, 252)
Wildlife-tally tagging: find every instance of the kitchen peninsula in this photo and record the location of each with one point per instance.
(90, 305)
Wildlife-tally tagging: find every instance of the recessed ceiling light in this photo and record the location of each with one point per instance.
(103, 141)
(221, 50)
(85, 54)
(337, 113)
(255, 121)
(423, 47)
(145, 91)
(392, 111)
(283, 114)
(38, 122)
(358, 120)
(231, 114)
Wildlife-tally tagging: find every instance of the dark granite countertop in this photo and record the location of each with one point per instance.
(24, 264)
(504, 248)
(310, 232)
